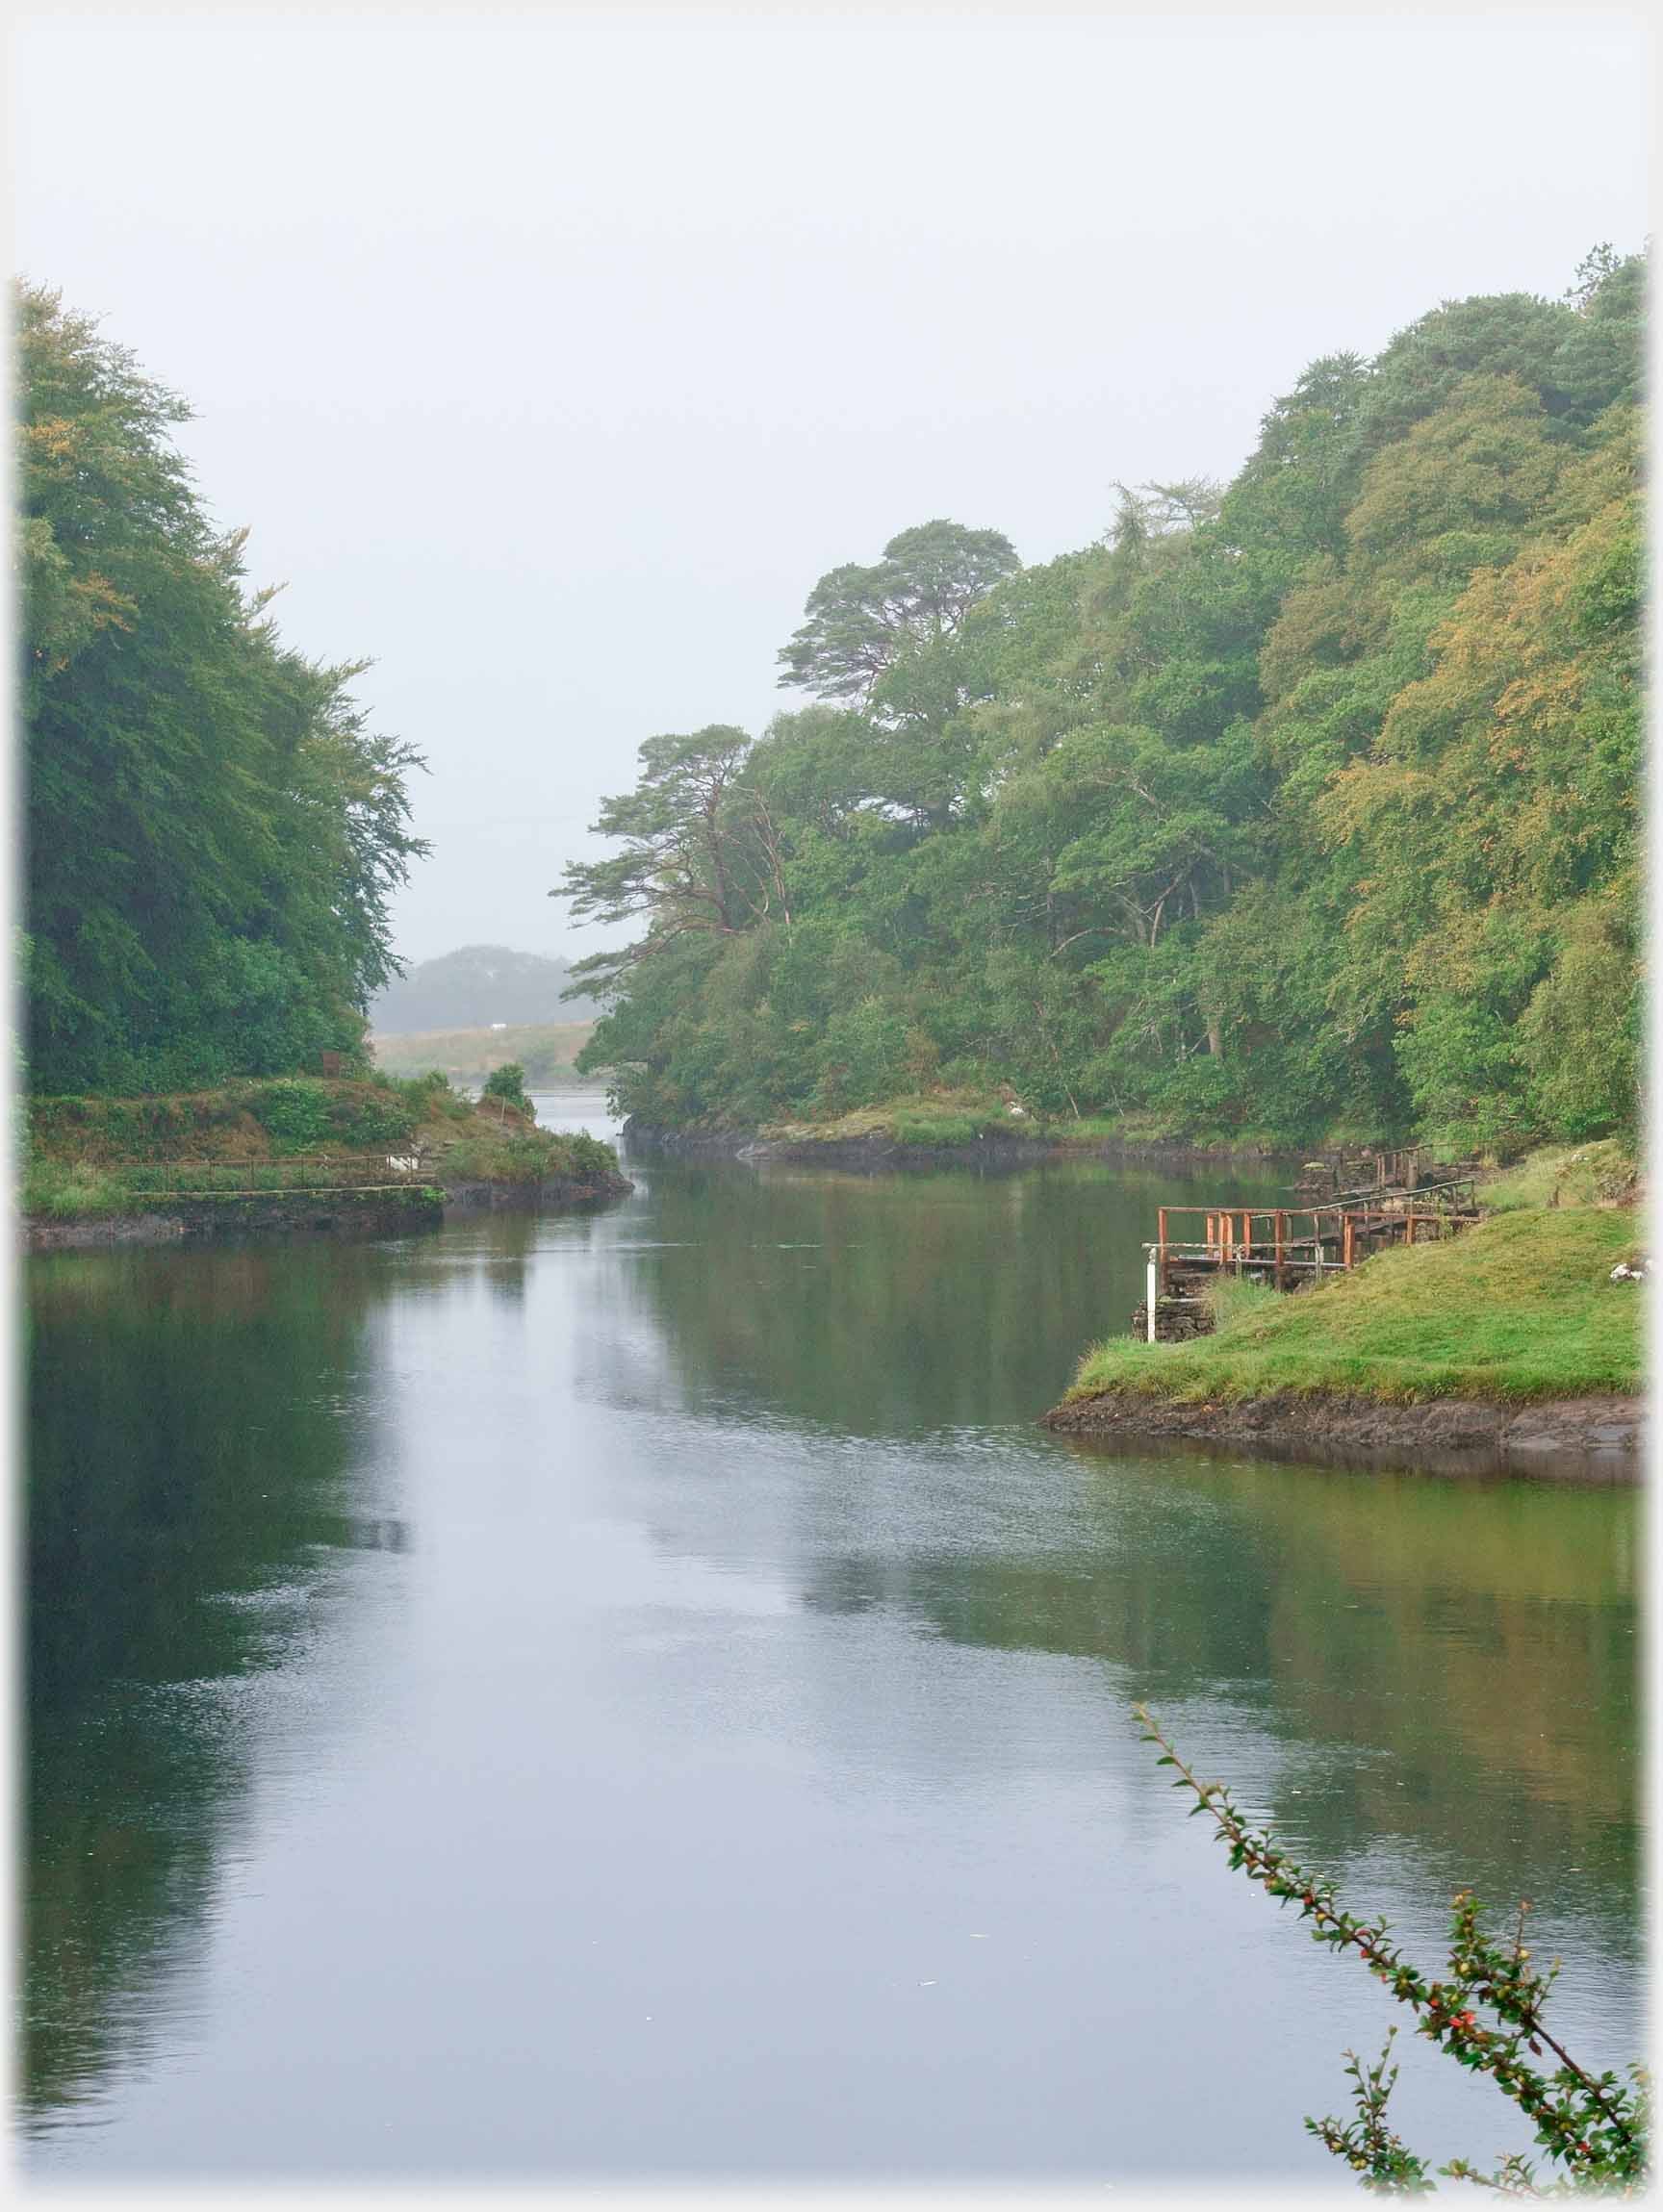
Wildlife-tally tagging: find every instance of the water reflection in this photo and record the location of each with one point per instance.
(881, 1304)
(1450, 1671)
(455, 1660)
(196, 1437)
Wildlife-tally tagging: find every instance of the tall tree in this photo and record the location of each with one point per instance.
(860, 621)
(699, 853)
(213, 833)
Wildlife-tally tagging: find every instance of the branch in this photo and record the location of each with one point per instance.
(1441, 2009)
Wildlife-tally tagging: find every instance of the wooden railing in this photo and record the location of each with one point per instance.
(251, 1178)
(1250, 1239)
(1354, 1176)
(1288, 1245)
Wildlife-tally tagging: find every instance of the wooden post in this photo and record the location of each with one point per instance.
(1347, 1243)
(1409, 1228)
(1281, 1250)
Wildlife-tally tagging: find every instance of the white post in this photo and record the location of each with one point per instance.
(1152, 1291)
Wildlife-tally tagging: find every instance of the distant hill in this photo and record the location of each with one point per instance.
(475, 986)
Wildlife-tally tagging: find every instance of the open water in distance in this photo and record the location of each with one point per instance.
(633, 1695)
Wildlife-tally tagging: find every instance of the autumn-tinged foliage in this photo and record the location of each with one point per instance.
(211, 830)
(1306, 805)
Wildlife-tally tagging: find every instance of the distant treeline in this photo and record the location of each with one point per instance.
(211, 830)
(546, 1051)
(473, 986)
(1305, 804)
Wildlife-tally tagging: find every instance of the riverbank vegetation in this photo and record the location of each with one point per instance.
(947, 1119)
(211, 830)
(1520, 1307)
(1302, 807)
(91, 1158)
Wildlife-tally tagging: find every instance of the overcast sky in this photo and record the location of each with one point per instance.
(551, 358)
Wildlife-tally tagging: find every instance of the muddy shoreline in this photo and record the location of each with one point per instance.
(1591, 1439)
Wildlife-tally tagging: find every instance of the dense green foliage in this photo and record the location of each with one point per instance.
(1305, 806)
(211, 830)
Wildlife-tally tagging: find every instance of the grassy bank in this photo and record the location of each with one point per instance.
(544, 1050)
(98, 1159)
(940, 1119)
(1521, 1307)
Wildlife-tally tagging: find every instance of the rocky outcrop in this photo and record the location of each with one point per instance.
(1593, 1438)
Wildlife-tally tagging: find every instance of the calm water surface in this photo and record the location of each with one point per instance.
(633, 1695)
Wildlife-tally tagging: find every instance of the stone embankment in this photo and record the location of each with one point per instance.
(208, 1216)
(387, 1211)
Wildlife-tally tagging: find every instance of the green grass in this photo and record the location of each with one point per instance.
(950, 1117)
(58, 1190)
(1569, 1175)
(1519, 1307)
(926, 1128)
(1230, 1298)
(79, 1190)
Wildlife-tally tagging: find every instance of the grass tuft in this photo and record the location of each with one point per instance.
(1600, 1174)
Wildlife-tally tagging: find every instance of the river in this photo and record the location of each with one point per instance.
(632, 1695)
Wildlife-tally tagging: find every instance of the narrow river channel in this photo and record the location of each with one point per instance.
(633, 1695)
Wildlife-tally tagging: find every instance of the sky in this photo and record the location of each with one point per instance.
(549, 358)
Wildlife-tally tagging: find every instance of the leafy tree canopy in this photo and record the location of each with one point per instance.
(860, 621)
(213, 831)
(1305, 805)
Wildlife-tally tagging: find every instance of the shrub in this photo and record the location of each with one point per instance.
(1594, 2129)
(508, 1083)
(294, 1111)
(375, 1118)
